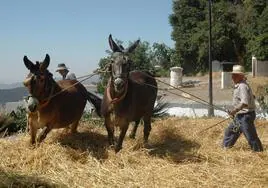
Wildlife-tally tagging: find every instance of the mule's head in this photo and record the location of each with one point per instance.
(38, 81)
(120, 64)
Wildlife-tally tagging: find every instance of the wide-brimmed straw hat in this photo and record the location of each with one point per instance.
(238, 69)
(61, 66)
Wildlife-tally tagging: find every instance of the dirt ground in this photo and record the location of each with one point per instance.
(197, 86)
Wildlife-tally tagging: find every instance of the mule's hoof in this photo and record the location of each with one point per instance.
(147, 145)
(132, 136)
(74, 132)
(117, 149)
(32, 145)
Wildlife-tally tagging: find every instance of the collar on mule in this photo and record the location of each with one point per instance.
(116, 99)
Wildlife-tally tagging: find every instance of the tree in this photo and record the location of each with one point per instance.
(104, 75)
(257, 23)
(141, 57)
(186, 20)
(162, 55)
(228, 44)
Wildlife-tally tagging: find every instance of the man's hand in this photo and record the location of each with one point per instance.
(232, 112)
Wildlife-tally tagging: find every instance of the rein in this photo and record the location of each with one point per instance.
(86, 77)
(203, 101)
(47, 100)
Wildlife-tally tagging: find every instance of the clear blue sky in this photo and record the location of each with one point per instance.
(75, 32)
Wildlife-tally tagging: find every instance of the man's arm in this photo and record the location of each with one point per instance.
(237, 109)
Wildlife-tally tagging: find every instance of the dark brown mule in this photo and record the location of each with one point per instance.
(128, 96)
(55, 104)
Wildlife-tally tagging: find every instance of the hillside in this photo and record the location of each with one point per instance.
(10, 86)
(12, 95)
(15, 92)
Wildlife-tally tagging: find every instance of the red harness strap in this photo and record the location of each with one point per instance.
(116, 99)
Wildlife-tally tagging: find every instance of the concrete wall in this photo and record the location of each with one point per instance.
(226, 80)
(259, 68)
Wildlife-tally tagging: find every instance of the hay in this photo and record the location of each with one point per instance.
(178, 155)
(258, 85)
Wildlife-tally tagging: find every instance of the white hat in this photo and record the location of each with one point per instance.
(238, 69)
(61, 66)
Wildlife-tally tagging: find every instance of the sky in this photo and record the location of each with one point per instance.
(75, 32)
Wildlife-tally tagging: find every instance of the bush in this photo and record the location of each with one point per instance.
(14, 122)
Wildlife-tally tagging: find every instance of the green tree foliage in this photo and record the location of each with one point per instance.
(228, 45)
(187, 19)
(162, 55)
(258, 41)
(141, 57)
(239, 30)
(104, 75)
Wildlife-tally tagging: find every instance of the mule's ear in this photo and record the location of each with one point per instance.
(133, 46)
(113, 45)
(28, 64)
(45, 63)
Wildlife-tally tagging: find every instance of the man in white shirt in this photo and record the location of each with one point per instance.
(243, 113)
(64, 72)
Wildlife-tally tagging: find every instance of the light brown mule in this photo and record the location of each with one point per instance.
(55, 104)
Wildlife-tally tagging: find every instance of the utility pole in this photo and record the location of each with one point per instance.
(210, 108)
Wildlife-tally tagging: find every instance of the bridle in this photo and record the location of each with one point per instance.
(49, 87)
(124, 77)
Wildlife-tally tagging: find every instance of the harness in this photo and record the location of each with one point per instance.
(116, 99)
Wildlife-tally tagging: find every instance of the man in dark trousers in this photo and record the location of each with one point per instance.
(243, 113)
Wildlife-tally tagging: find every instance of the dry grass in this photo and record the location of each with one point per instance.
(178, 156)
(258, 85)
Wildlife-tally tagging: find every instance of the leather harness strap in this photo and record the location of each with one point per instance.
(116, 99)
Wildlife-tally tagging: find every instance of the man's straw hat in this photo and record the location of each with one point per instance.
(61, 66)
(238, 69)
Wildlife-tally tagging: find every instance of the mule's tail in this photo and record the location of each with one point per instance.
(96, 101)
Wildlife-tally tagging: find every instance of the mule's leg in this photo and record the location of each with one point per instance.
(123, 130)
(147, 128)
(110, 130)
(43, 134)
(134, 130)
(31, 124)
(27, 123)
(33, 131)
(74, 127)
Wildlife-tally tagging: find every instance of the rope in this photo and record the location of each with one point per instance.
(86, 77)
(171, 93)
(203, 101)
(214, 125)
(61, 91)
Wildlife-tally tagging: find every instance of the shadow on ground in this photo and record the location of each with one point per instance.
(94, 143)
(175, 147)
(17, 180)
